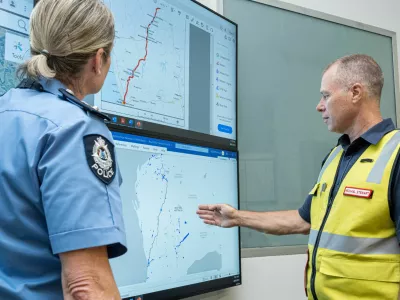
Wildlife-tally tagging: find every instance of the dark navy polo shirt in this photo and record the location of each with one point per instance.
(352, 152)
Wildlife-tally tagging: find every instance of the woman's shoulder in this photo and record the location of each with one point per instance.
(46, 106)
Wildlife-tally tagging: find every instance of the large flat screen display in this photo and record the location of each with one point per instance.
(173, 70)
(171, 252)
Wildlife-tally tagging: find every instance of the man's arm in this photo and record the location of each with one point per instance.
(277, 223)
(87, 275)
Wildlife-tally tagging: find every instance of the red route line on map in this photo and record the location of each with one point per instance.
(142, 59)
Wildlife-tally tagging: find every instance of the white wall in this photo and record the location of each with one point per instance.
(281, 277)
(274, 277)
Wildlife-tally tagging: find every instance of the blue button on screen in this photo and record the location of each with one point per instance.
(224, 128)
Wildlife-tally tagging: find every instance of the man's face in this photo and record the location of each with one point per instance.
(336, 107)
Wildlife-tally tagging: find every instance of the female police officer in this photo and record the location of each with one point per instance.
(60, 216)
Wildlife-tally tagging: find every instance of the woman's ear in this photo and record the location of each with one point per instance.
(98, 61)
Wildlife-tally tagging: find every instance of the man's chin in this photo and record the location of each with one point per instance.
(335, 130)
(331, 128)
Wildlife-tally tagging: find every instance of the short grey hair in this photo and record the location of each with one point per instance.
(360, 68)
(64, 35)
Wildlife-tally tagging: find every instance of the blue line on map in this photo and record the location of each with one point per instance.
(185, 238)
(164, 178)
(149, 262)
(182, 240)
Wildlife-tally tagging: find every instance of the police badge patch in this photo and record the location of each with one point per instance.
(100, 157)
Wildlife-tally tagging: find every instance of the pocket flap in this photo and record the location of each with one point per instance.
(386, 271)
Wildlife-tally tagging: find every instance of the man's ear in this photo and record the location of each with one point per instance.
(357, 92)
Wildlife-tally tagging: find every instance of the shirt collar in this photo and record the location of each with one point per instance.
(372, 135)
(52, 85)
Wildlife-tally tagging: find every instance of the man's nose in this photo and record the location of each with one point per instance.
(321, 106)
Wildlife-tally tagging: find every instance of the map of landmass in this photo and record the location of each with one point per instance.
(147, 74)
(168, 243)
(211, 261)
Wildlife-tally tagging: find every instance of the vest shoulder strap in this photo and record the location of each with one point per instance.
(330, 158)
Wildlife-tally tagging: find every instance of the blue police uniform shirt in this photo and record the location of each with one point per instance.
(352, 152)
(51, 200)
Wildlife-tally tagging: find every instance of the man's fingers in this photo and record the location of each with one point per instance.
(210, 207)
(208, 222)
(205, 212)
(206, 217)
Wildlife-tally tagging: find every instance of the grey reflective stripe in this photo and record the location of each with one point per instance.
(376, 174)
(355, 245)
(329, 160)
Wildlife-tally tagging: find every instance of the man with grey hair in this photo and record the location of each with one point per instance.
(352, 214)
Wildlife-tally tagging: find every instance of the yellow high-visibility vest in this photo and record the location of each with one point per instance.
(353, 249)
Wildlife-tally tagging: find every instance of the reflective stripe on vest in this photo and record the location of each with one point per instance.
(329, 160)
(355, 245)
(376, 174)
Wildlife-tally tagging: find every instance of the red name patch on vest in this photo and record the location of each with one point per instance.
(356, 192)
